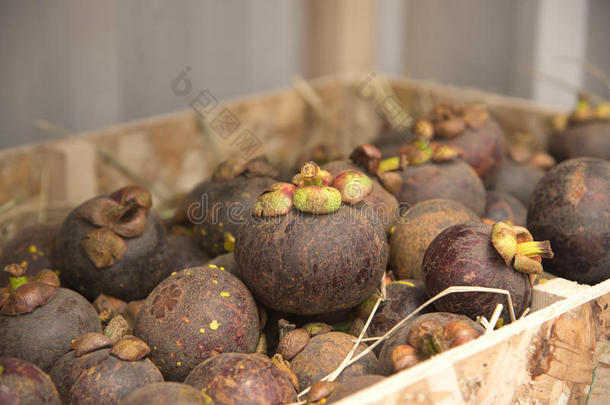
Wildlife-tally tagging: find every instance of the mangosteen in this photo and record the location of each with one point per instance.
(425, 170)
(352, 385)
(502, 207)
(417, 228)
(165, 393)
(38, 318)
(195, 314)
(366, 158)
(324, 353)
(425, 335)
(402, 298)
(518, 180)
(571, 207)
(23, 383)
(112, 244)
(477, 254)
(471, 129)
(318, 256)
(100, 372)
(216, 208)
(185, 252)
(32, 246)
(239, 378)
(585, 132)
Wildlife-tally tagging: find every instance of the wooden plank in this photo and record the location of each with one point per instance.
(547, 356)
(340, 36)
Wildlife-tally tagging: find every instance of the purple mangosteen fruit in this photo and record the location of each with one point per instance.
(502, 207)
(38, 318)
(164, 393)
(518, 180)
(239, 378)
(195, 314)
(571, 208)
(477, 254)
(304, 251)
(34, 247)
(417, 228)
(112, 244)
(22, 383)
(216, 208)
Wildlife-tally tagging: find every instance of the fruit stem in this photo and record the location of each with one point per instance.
(535, 248)
(389, 164)
(431, 344)
(311, 174)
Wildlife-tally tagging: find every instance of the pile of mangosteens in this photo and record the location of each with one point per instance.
(260, 287)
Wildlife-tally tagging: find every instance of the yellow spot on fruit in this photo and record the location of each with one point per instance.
(220, 225)
(1, 370)
(185, 320)
(201, 330)
(222, 268)
(212, 266)
(72, 341)
(173, 273)
(188, 273)
(215, 281)
(392, 229)
(32, 249)
(206, 397)
(214, 324)
(91, 371)
(229, 242)
(225, 294)
(203, 232)
(24, 263)
(178, 363)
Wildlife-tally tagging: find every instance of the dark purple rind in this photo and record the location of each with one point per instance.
(171, 319)
(221, 208)
(242, 379)
(145, 264)
(399, 337)
(22, 383)
(164, 393)
(502, 207)
(44, 335)
(68, 368)
(483, 149)
(17, 250)
(184, 253)
(402, 299)
(451, 180)
(111, 380)
(310, 264)
(587, 139)
(351, 385)
(517, 180)
(380, 200)
(417, 228)
(571, 208)
(463, 255)
(324, 353)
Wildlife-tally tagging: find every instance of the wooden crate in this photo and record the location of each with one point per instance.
(557, 354)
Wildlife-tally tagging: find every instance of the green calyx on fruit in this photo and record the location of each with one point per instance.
(275, 200)
(121, 214)
(423, 130)
(24, 297)
(389, 165)
(353, 185)
(584, 111)
(444, 153)
(312, 193)
(518, 249)
(416, 153)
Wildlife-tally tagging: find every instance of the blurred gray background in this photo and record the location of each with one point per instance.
(85, 64)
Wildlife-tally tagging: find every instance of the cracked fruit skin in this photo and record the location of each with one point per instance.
(453, 180)
(22, 383)
(44, 335)
(144, 265)
(571, 208)
(195, 314)
(462, 255)
(311, 264)
(239, 378)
